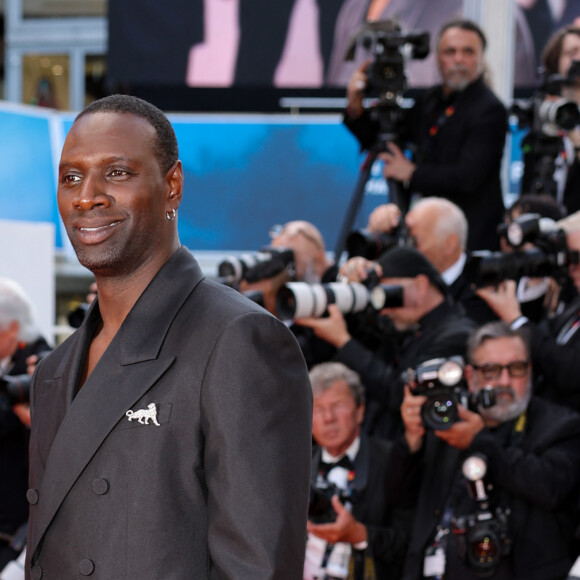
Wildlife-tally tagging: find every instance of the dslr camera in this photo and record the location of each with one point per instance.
(549, 257)
(320, 510)
(548, 116)
(442, 381)
(482, 537)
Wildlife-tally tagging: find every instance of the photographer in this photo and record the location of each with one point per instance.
(438, 229)
(20, 347)
(351, 517)
(309, 261)
(427, 325)
(457, 130)
(508, 512)
(558, 57)
(554, 344)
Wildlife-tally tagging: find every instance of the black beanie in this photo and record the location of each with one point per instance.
(404, 262)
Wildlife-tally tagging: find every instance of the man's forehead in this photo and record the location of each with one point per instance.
(457, 35)
(505, 347)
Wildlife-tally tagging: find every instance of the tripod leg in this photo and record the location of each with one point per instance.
(354, 205)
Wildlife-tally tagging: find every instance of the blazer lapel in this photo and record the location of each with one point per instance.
(130, 366)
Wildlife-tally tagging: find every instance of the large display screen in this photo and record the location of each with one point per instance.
(292, 44)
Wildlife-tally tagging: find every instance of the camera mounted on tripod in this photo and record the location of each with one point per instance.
(389, 46)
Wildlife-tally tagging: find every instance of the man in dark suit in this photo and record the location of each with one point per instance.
(367, 525)
(497, 490)
(457, 131)
(171, 434)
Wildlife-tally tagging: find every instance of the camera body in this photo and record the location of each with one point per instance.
(482, 536)
(320, 510)
(547, 115)
(550, 257)
(371, 245)
(442, 381)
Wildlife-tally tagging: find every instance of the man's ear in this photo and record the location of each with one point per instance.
(174, 178)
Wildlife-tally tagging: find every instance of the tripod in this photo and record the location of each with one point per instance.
(388, 119)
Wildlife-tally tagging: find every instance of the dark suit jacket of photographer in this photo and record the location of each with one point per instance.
(462, 161)
(442, 332)
(540, 474)
(220, 488)
(388, 525)
(557, 366)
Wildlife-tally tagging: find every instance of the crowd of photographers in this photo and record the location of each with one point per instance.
(443, 347)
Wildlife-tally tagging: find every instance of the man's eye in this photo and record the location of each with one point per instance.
(118, 173)
(71, 179)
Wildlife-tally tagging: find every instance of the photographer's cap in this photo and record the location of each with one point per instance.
(404, 262)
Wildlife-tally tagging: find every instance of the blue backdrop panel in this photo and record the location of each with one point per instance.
(26, 168)
(243, 176)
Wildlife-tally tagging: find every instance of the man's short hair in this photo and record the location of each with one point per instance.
(324, 375)
(571, 223)
(454, 221)
(492, 331)
(463, 24)
(15, 306)
(165, 145)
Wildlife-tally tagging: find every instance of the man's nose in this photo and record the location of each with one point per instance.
(328, 415)
(90, 194)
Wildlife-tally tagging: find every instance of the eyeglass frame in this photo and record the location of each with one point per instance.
(486, 368)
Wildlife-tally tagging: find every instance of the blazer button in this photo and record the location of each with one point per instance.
(32, 496)
(437, 513)
(36, 572)
(100, 486)
(86, 567)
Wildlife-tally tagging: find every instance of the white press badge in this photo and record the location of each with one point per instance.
(144, 415)
(434, 564)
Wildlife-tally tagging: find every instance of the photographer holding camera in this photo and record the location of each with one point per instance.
(438, 229)
(20, 347)
(352, 522)
(427, 325)
(496, 490)
(560, 59)
(554, 343)
(457, 130)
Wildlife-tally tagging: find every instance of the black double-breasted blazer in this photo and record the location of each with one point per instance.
(212, 482)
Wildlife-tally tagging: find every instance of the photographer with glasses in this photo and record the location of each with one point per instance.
(496, 489)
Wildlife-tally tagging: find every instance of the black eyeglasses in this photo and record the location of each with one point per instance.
(516, 369)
